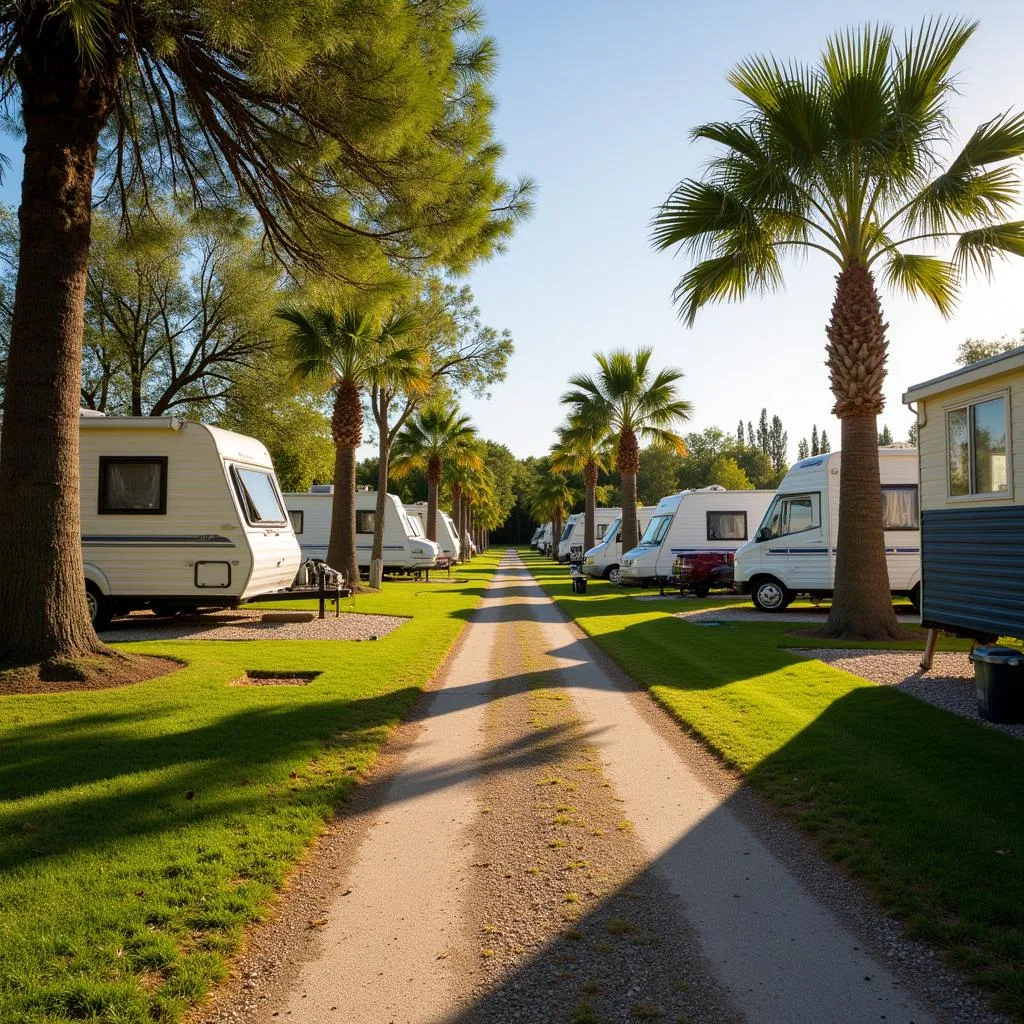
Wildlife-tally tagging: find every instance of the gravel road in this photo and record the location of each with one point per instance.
(248, 625)
(949, 684)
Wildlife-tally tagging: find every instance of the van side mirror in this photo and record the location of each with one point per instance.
(763, 534)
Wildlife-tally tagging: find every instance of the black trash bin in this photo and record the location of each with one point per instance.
(999, 683)
(579, 584)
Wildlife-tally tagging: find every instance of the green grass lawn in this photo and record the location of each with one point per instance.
(923, 806)
(141, 828)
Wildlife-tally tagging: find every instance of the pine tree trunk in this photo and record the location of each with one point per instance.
(43, 611)
(862, 602)
(590, 509)
(347, 430)
(627, 461)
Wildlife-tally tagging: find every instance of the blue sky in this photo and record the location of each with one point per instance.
(595, 102)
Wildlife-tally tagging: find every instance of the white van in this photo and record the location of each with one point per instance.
(602, 560)
(535, 539)
(544, 543)
(572, 535)
(178, 515)
(708, 519)
(794, 550)
(447, 539)
(405, 548)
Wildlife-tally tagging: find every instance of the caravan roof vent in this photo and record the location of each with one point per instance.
(321, 489)
(713, 487)
(90, 412)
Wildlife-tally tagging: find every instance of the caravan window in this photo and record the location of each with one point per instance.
(297, 520)
(566, 531)
(656, 530)
(727, 526)
(791, 513)
(415, 529)
(257, 492)
(900, 507)
(365, 521)
(976, 451)
(600, 530)
(133, 486)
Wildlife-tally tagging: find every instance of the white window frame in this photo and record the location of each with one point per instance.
(1007, 495)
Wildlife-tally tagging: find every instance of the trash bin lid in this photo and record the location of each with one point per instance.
(996, 655)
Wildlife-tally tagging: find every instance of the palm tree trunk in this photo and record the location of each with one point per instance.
(590, 509)
(347, 429)
(43, 611)
(627, 461)
(457, 517)
(464, 535)
(862, 602)
(432, 508)
(377, 552)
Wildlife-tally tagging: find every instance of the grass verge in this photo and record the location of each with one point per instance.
(141, 828)
(925, 807)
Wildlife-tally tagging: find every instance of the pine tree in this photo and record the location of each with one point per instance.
(739, 433)
(912, 434)
(826, 445)
(884, 436)
(815, 443)
(778, 443)
(750, 435)
(802, 449)
(764, 441)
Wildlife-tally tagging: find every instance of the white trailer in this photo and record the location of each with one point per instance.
(405, 549)
(708, 519)
(794, 550)
(575, 526)
(544, 543)
(535, 539)
(602, 560)
(447, 538)
(177, 516)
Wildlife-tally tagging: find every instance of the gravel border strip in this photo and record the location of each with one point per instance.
(751, 614)
(949, 684)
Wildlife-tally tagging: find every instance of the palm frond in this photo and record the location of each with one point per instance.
(977, 250)
(928, 276)
(728, 277)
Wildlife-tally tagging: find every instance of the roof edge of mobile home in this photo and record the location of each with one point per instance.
(1012, 360)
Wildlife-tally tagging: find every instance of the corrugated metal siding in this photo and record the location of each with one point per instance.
(972, 562)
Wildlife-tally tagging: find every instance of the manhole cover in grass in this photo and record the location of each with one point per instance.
(281, 678)
(706, 623)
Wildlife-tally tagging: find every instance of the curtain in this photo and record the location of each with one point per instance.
(133, 485)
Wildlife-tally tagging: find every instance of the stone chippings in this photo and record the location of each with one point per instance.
(948, 684)
(247, 625)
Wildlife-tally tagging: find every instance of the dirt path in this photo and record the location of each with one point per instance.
(549, 848)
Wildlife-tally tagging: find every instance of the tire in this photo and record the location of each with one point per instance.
(701, 589)
(769, 595)
(101, 610)
(915, 598)
(612, 574)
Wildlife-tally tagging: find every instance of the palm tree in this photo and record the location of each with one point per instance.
(550, 501)
(633, 404)
(583, 448)
(433, 438)
(352, 352)
(842, 158)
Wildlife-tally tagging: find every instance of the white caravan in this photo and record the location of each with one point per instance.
(544, 543)
(535, 539)
(602, 560)
(794, 550)
(575, 526)
(447, 539)
(178, 515)
(405, 548)
(708, 519)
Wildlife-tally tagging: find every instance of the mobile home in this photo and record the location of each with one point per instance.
(447, 537)
(178, 515)
(970, 432)
(602, 560)
(572, 535)
(405, 549)
(706, 519)
(794, 549)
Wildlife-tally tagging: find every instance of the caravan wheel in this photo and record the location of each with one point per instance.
(769, 595)
(101, 611)
(612, 574)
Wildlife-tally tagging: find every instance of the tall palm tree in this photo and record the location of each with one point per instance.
(634, 404)
(585, 448)
(550, 501)
(352, 352)
(843, 158)
(435, 436)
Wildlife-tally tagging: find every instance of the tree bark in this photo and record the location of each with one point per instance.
(43, 611)
(590, 508)
(862, 601)
(384, 457)
(432, 508)
(627, 461)
(465, 525)
(341, 552)
(457, 518)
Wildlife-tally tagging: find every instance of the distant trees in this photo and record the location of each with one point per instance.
(884, 436)
(973, 350)
(727, 473)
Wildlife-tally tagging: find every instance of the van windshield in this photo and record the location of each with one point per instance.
(791, 513)
(656, 530)
(567, 531)
(258, 494)
(610, 533)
